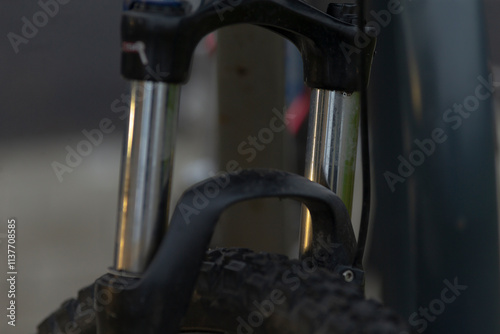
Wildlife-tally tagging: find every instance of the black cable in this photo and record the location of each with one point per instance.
(365, 149)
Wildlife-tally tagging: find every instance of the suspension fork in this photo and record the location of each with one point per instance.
(148, 159)
(146, 174)
(162, 36)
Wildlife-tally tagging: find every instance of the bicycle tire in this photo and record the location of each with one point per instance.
(239, 291)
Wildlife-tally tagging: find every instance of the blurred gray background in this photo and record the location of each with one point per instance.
(63, 80)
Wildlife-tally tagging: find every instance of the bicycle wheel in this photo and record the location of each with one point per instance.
(239, 291)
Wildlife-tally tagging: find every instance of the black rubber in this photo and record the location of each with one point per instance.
(239, 291)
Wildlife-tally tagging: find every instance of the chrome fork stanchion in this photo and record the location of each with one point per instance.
(146, 174)
(332, 141)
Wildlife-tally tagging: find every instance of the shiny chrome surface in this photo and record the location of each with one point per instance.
(332, 142)
(145, 175)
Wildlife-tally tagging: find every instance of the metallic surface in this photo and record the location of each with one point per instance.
(332, 142)
(146, 173)
(157, 302)
(435, 221)
(348, 275)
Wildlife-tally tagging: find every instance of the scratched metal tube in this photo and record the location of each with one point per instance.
(331, 149)
(145, 175)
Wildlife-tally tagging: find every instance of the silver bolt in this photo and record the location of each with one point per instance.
(348, 275)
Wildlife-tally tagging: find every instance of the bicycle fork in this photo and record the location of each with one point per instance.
(148, 154)
(154, 282)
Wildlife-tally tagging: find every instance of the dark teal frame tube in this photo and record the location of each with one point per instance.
(433, 141)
